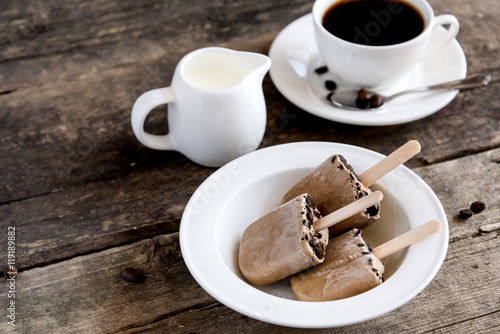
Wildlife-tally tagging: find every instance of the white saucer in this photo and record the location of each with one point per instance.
(251, 186)
(294, 56)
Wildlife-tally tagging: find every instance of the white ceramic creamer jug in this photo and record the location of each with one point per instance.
(216, 107)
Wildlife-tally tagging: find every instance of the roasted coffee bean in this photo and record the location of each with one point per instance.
(376, 101)
(363, 95)
(362, 104)
(10, 272)
(477, 206)
(329, 96)
(132, 275)
(321, 70)
(330, 85)
(466, 213)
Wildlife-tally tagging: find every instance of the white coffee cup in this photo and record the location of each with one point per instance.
(364, 66)
(216, 107)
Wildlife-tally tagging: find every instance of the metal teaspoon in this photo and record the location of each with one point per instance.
(346, 99)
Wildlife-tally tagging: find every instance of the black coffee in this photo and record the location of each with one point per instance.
(373, 22)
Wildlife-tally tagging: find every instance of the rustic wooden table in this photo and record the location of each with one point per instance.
(82, 199)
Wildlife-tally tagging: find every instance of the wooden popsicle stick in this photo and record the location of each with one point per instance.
(348, 210)
(407, 239)
(393, 160)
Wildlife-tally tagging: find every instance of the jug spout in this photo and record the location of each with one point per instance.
(216, 68)
(255, 64)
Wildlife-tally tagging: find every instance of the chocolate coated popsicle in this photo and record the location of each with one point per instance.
(291, 238)
(335, 184)
(282, 242)
(351, 267)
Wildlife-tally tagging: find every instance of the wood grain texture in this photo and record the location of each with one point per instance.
(101, 214)
(462, 298)
(66, 110)
(87, 199)
(169, 300)
(459, 183)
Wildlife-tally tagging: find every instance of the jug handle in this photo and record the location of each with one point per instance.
(142, 106)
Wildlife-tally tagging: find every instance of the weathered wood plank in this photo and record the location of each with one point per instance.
(92, 298)
(452, 303)
(460, 182)
(66, 121)
(82, 192)
(59, 134)
(69, 138)
(464, 294)
(80, 36)
(146, 202)
(128, 207)
(87, 294)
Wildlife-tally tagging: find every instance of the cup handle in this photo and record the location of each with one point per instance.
(451, 34)
(142, 106)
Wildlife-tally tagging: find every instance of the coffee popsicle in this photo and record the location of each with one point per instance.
(334, 184)
(291, 238)
(351, 267)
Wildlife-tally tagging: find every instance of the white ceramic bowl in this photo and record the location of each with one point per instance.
(247, 188)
